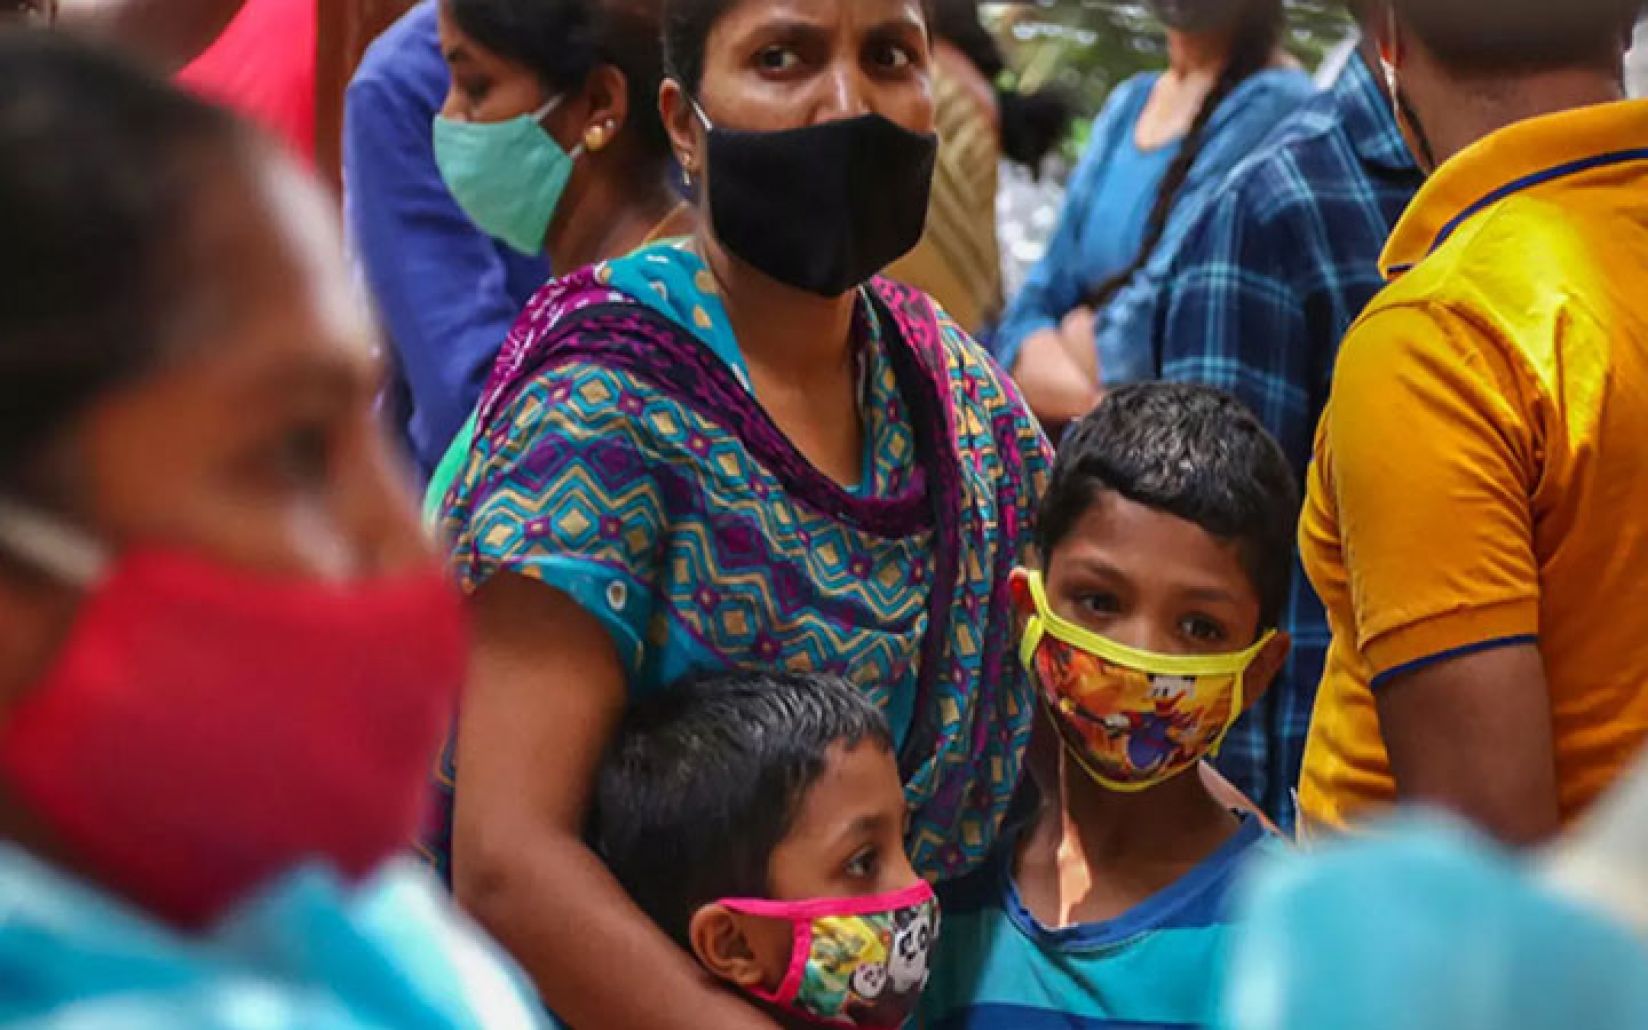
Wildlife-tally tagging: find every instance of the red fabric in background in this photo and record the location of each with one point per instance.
(263, 67)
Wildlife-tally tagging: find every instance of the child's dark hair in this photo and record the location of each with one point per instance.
(1190, 451)
(704, 781)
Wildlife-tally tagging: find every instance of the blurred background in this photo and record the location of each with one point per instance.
(1084, 48)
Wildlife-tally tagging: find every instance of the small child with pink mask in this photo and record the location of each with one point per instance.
(759, 820)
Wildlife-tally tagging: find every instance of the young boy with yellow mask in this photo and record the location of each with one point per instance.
(1165, 544)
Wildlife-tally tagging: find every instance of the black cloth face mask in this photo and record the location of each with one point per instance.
(821, 208)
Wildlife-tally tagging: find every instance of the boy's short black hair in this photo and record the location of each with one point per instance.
(1189, 451)
(704, 781)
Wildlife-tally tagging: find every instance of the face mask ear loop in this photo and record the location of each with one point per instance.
(703, 118)
(801, 948)
(547, 109)
(1238, 694)
(51, 546)
(1033, 632)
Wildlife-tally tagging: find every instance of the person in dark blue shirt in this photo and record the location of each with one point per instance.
(1261, 293)
(447, 292)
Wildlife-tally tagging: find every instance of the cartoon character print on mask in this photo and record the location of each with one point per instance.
(856, 962)
(1132, 725)
(904, 976)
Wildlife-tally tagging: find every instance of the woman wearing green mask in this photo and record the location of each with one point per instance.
(550, 138)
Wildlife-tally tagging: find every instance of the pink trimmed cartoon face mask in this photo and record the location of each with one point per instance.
(855, 962)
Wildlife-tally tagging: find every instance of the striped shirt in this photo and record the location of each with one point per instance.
(1263, 291)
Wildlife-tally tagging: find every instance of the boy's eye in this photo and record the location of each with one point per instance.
(1100, 604)
(1203, 629)
(862, 866)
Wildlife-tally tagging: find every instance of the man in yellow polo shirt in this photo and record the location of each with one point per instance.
(1477, 513)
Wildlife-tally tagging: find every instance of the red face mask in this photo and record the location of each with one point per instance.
(205, 729)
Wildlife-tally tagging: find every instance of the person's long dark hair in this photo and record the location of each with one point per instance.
(1257, 36)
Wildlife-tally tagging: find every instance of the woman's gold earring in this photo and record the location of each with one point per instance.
(599, 136)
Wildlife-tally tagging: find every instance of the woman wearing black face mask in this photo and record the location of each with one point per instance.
(740, 449)
(1161, 145)
(226, 657)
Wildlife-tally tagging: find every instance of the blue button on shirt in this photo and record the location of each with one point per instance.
(1104, 212)
(446, 291)
(1282, 261)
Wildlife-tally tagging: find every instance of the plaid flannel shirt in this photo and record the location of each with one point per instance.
(1264, 289)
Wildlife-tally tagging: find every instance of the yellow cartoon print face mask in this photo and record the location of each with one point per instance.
(1131, 718)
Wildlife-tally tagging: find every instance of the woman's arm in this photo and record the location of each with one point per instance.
(545, 696)
(1056, 284)
(1056, 386)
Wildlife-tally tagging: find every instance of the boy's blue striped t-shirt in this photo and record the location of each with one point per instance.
(1158, 965)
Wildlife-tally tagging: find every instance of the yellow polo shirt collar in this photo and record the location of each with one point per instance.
(1514, 159)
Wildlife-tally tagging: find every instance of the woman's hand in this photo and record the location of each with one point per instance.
(545, 696)
(1078, 334)
(1058, 385)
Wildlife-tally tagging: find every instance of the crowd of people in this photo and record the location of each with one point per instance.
(799, 632)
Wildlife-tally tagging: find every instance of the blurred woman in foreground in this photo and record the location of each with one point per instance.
(225, 659)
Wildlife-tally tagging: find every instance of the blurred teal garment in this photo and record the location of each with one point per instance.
(1426, 928)
(308, 953)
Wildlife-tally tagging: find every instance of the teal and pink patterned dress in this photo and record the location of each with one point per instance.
(621, 457)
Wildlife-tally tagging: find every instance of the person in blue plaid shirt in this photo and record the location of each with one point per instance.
(1262, 292)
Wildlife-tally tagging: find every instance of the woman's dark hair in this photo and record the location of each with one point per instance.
(1194, 453)
(1258, 34)
(1032, 124)
(563, 41)
(703, 782)
(101, 166)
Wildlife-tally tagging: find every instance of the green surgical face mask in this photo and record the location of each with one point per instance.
(507, 176)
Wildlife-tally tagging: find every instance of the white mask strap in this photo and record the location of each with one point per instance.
(1392, 30)
(702, 117)
(549, 108)
(51, 545)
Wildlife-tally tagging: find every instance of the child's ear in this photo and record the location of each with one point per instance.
(719, 944)
(1265, 668)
